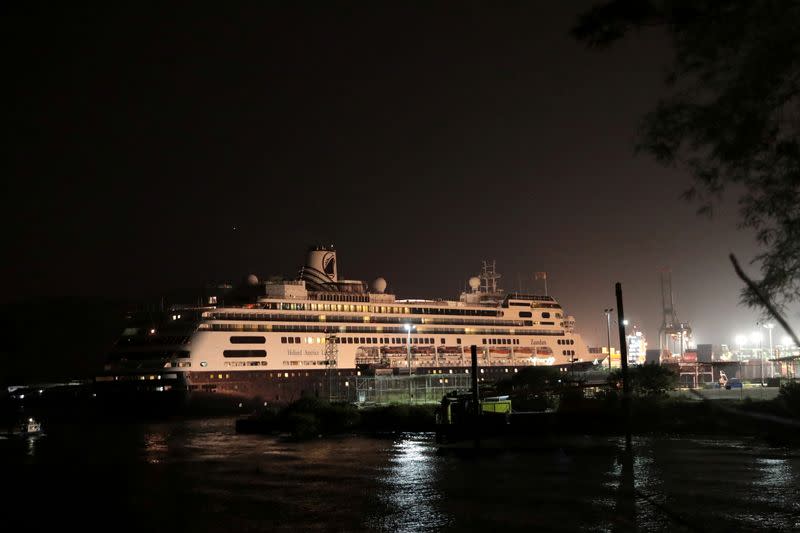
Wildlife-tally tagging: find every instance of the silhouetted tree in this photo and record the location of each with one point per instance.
(732, 115)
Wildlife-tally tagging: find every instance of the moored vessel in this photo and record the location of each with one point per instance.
(319, 333)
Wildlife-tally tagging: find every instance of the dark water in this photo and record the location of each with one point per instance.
(199, 475)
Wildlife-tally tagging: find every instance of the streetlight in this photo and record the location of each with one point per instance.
(756, 337)
(769, 326)
(608, 324)
(409, 327)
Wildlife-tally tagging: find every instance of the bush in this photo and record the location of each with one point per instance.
(308, 417)
(302, 425)
(646, 380)
(789, 396)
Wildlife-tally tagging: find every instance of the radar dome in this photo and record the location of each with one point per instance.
(252, 279)
(474, 283)
(379, 285)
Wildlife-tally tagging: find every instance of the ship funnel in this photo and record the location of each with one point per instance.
(320, 267)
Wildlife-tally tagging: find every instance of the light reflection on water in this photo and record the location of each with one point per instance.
(222, 481)
(411, 493)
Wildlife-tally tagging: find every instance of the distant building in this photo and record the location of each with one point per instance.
(637, 348)
(600, 353)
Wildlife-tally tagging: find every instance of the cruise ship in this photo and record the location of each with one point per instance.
(304, 336)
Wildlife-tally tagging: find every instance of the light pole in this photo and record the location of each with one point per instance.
(756, 338)
(608, 325)
(409, 327)
(769, 327)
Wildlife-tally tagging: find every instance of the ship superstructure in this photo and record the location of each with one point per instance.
(298, 335)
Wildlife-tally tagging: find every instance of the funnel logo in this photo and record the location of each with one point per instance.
(329, 264)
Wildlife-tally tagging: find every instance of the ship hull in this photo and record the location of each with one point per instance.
(237, 391)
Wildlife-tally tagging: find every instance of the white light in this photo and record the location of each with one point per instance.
(625, 322)
(756, 337)
(741, 340)
(769, 325)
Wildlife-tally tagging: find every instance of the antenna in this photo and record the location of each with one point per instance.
(489, 277)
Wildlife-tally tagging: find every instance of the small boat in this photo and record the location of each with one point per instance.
(26, 428)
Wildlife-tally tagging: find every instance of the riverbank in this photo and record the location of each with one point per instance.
(312, 417)
(776, 421)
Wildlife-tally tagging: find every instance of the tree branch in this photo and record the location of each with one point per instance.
(764, 300)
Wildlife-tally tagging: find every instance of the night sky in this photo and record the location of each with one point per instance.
(155, 147)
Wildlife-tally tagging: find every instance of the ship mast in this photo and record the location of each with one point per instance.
(489, 277)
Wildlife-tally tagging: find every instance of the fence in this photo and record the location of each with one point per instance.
(416, 389)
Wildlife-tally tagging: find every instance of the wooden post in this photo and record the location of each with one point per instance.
(475, 400)
(626, 392)
(476, 406)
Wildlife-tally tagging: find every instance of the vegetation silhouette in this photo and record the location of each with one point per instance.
(732, 114)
